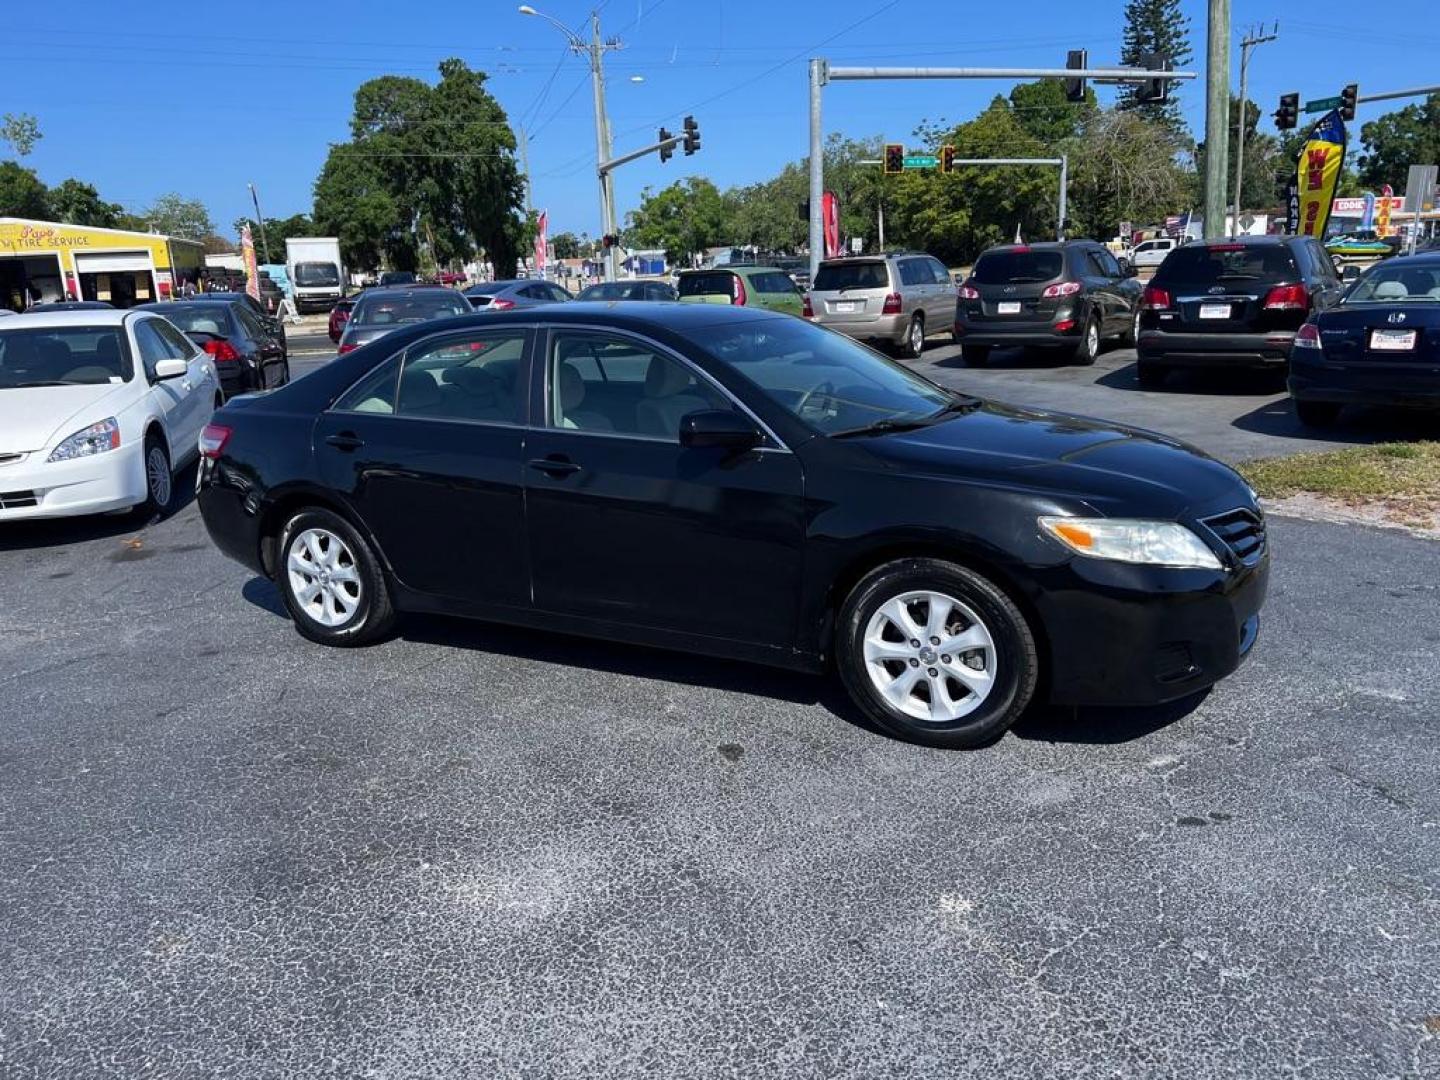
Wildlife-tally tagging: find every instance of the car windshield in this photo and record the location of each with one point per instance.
(832, 277)
(1017, 267)
(715, 283)
(314, 274)
(62, 356)
(610, 291)
(199, 318)
(826, 380)
(1397, 284)
(417, 307)
(1212, 264)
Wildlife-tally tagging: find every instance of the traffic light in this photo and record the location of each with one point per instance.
(1076, 59)
(1155, 90)
(1288, 114)
(692, 135)
(667, 148)
(947, 158)
(1348, 97)
(609, 240)
(894, 157)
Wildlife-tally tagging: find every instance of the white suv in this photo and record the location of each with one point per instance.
(97, 410)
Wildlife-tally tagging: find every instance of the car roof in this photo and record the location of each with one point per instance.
(87, 317)
(390, 292)
(666, 315)
(1420, 258)
(748, 268)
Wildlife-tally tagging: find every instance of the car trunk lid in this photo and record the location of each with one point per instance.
(1231, 288)
(1011, 283)
(1405, 334)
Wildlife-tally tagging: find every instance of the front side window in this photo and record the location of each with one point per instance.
(610, 384)
(826, 380)
(473, 376)
(152, 348)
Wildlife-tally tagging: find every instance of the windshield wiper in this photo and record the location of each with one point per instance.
(961, 403)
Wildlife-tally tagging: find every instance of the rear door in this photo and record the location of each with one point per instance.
(1102, 285)
(265, 346)
(427, 449)
(940, 311)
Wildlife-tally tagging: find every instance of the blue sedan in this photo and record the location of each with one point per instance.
(1379, 346)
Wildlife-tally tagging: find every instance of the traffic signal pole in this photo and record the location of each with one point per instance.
(822, 73)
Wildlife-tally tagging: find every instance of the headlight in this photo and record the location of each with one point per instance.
(1154, 543)
(95, 439)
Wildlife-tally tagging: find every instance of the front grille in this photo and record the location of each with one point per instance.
(1242, 531)
(15, 500)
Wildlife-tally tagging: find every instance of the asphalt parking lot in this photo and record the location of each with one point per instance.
(473, 851)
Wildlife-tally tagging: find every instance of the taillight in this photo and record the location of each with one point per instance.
(738, 295)
(1155, 299)
(213, 439)
(892, 304)
(1063, 288)
(1065, 324)
(221, 351)
(500, 304)
(1287, 298)
(807, 310)
(1308, 337)
(346, 346)
(969, 292)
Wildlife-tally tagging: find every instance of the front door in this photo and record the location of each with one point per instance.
(171, 397)
(427, 449)
(628, 526)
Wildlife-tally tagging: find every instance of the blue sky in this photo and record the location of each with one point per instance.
(143, 98)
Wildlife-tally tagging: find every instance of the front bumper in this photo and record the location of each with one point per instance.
(35, 488)
(1269, 350)
(1143, 635)
(1407, 385)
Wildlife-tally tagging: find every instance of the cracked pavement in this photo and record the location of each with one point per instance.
(475, 851)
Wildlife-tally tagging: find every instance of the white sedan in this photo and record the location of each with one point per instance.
(97, 411)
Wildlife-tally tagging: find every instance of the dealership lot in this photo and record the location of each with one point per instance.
(226, 851)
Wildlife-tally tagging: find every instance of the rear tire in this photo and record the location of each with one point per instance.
(915, 338)
(1317, 414)
(1151, 376)
(974, 665)
(331, 581)
(975, 355)
(1088, 350)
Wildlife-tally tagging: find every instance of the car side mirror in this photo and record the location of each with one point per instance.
(170, 369)
(718, 427)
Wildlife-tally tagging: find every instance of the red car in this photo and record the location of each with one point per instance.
(450, 277)
(339, 316)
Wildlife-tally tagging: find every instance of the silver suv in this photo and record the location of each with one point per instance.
(895, 300)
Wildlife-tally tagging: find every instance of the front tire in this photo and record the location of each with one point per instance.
(331, 581)
(159, 479)
(935, 654)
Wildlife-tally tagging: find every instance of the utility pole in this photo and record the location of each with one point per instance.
(525, 165)
(260, 220)
(1252, 39)
(1217, 116)
(603, 147)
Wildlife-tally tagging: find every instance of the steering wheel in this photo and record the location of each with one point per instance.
(827, 388)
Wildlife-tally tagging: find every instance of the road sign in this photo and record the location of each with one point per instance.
(1420, 189)
(857, 244)
(921, 161)
(1324, 104)
(1127, 230)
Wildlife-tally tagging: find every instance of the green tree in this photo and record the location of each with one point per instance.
(1123, 167)
(20, 130)
(1155, 26)
(1042, 110)
(353, 201)
(78, 203)
(565, 245)
(1399, 139)
(22, 194)
(683, 219)
(175, 215)
(1263, 163)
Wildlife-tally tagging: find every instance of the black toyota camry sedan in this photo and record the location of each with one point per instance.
(735, 482)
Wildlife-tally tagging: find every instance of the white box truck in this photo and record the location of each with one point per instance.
(317, 276)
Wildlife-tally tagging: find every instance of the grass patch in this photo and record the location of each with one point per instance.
(1409, 472)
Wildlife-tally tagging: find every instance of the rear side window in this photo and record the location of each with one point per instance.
(1213, 264)
(773, 282)
(1016, 267)
(717, 283)
(851, 275)
(942, 275)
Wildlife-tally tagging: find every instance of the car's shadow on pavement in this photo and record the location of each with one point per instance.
(1103, 726)
(1356, 425)
(64, 532)
(1010, 360)
(1213, 383)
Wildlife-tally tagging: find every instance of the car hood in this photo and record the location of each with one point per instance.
(1118, 470)
(30, 419)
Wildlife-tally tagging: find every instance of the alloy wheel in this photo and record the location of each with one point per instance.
(1092, 339)
(930, 656)
(323, 577)
(917, 337)
(157, 475)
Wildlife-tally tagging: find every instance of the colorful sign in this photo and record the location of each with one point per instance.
(247, 256)
(1318, 171)
(1382, 214)
(830, 216)
(542, 247)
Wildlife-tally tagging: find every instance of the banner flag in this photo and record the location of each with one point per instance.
(1318, 171)
(247, 255)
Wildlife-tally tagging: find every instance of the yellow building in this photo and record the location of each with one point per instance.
(45, 260)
